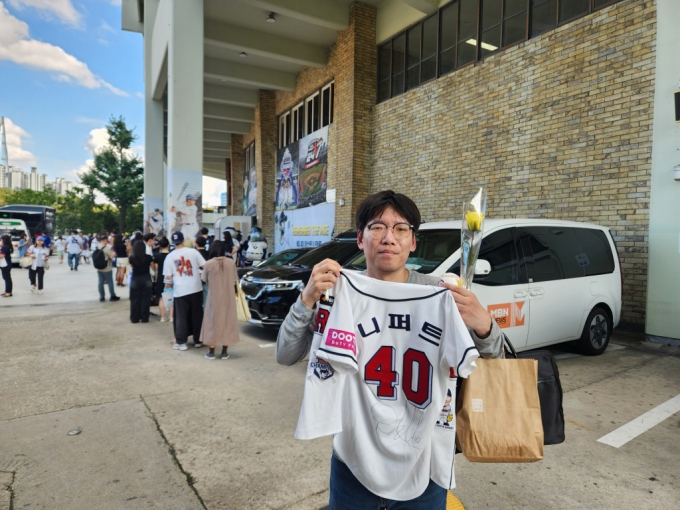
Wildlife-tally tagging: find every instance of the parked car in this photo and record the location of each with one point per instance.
(281, 258)
(14, 228)
(271, 291)
(543, 281)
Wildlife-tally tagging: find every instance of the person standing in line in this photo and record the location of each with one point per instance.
(141, 288)
(105, 275)
(181, 272)
(6, 251)
(39, 253)
(148, 243)
(23, 245)
(208, 238)
(121, 252)
(230, 247)
(59, 243)
(220, 321)
(158, 262)
(200, 248)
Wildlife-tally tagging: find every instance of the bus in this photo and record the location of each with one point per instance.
(39, 219)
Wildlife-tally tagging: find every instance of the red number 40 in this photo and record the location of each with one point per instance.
(380, 370)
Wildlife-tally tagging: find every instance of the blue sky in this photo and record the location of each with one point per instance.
(65, 68)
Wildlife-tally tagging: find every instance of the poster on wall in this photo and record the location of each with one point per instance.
(185, 202)
(153, 216)
(250, 192)
(312, 168)
(303, 228)
(287, 177)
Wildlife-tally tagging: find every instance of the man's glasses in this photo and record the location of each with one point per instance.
(399, 230)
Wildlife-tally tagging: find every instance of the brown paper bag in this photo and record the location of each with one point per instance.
(498, 416)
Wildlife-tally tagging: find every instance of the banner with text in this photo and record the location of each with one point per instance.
(303, 228)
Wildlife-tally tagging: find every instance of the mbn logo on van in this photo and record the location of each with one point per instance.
(508, 315)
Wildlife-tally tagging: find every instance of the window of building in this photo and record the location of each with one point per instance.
(327, 99)
(448, 35)
(492, 16)
(312, 107)
(428, 63)
(464, 31)
(284, 129)
(572, 9)
(514, 21)
(467, 32)
(398, 52)
(384, 73)
(543, 16)
(298, 128)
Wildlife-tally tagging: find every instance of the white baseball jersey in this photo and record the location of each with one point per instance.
(383, 360)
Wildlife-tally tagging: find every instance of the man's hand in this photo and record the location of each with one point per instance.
(473, 313)
(324, 275)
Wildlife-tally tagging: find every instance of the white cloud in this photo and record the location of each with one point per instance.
(139, 94)
(89, 120)
(211, 190)
(18, 156)
(62, 9)
(97, 140)
(117, 3)
(105, 27)
(18, 47)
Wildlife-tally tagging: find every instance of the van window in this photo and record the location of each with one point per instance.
(432, 248)
(555, 253)
(500, 251)
(596, 255)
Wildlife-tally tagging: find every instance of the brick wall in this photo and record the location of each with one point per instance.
(352, 64)
(557, 127)
(266, 143)
(237, 167)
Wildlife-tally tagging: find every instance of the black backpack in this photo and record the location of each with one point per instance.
(99, 260)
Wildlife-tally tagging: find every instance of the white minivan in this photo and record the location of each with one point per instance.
(543, 281)
(14, 228)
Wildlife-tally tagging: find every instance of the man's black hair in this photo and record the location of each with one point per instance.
(204, 231)
(148, 237)
(374, 205)
(200, 242)
(164, 243)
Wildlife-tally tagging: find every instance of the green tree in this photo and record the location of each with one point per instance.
(28, 196)
(117, 173)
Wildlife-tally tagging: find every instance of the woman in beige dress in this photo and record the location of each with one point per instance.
(220, 322)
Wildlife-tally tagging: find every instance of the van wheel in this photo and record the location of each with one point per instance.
(596, 332)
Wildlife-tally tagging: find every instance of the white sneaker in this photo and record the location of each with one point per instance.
(40, 292)
(198, 345)
(181, 347)
(33, 287)
(172, 319)
(164, 319)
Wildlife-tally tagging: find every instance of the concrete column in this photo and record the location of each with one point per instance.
(154, 177)
(663, 305)
(266, 143)
(354, 101)
(237, 169)
(185, 116)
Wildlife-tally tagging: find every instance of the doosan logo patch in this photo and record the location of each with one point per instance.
(341, 340)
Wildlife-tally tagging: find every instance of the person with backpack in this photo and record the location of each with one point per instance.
(101, 260)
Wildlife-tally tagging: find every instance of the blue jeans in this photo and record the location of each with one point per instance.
(105, 277)
(347, 493)
(73, 257)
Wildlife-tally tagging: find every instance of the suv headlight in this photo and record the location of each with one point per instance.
(283, 285)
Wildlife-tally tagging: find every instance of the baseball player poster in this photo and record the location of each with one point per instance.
(153, 216)
(287, 177)
(312, 168)
(185, 202)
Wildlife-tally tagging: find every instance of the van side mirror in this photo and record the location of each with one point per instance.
(482, 268)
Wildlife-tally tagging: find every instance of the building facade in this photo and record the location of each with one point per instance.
(560, 109)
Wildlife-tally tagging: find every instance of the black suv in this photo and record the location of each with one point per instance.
(271, 291)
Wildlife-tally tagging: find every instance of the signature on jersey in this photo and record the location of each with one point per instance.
(407, 427)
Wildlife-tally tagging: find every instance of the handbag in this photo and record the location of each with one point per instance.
(498, 416)
(549, 393)
(46, 265)
(242, 309)
(3, 262)
(26, 261)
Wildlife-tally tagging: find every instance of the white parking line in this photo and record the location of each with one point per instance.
(264, 346)
(634, 428)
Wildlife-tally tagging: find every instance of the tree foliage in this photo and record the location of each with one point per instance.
(117, 173)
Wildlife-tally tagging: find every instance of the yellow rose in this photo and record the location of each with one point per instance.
(474, 220)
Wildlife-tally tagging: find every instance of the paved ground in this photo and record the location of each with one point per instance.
(159, 428)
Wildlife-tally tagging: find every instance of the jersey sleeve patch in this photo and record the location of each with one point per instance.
(342, 341)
